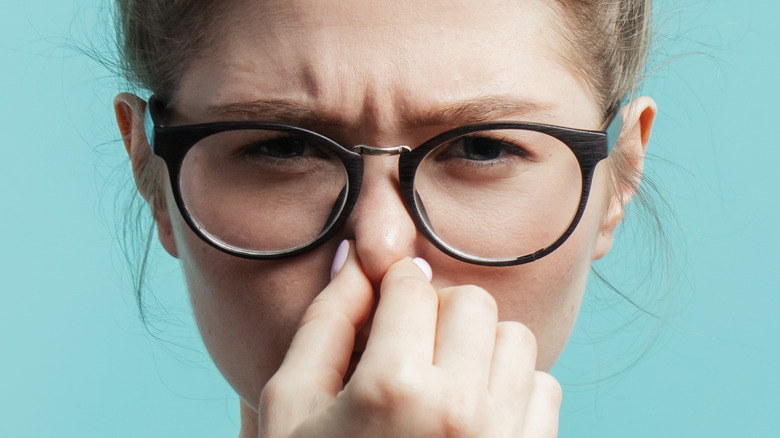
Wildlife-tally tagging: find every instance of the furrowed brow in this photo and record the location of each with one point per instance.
(477, 110)
(272, 110)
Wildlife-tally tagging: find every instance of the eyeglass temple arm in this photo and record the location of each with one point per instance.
(150, 115)
(614, 126)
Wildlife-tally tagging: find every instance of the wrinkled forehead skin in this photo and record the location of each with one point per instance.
(376, 63)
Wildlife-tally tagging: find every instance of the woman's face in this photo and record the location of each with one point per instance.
(383, 74)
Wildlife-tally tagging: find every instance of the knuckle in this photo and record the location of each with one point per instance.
(517, 334)
(407, 396)
(549, 386)
(460, 418)
(387, 391)
(474, 297)
(272, 393)
(318, 308)
(323, 310)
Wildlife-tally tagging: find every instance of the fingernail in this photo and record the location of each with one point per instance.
(340, 258)
(424, 266)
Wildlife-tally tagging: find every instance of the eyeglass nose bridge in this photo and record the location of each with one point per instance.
(364, 149)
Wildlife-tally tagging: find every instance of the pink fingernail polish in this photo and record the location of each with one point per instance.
(424, 266)
(340, 258)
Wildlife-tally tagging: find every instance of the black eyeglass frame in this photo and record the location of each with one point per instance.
(171, 143)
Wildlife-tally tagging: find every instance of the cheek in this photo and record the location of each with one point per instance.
(247, 311)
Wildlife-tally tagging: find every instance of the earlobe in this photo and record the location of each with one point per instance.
(165, 228)
(147, 172)
(626, 164)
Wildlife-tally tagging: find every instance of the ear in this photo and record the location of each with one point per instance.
(148, 172)
(626, 166)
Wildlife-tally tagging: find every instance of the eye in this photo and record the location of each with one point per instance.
(483, 148)
(277, 151)
(282, 147)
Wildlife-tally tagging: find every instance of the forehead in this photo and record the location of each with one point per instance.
(368, 59)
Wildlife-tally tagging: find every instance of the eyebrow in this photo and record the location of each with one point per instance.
(269, 110)
(474, 110)
(477, 110)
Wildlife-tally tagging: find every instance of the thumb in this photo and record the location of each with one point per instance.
(313, 368)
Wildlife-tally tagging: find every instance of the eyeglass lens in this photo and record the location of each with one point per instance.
(499, 194)
(262, 190)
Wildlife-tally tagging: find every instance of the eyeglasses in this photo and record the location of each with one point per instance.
(494, 194)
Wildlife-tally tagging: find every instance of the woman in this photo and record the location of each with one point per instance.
(386, 211)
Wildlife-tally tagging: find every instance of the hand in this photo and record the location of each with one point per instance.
(437, 364)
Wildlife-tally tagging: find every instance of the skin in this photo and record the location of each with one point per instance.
(435, 358)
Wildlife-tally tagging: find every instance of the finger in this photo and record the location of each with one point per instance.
(313, 369)
(544, 404)
(321, 348)
(404, 326)
(465, 335)
(512, 367)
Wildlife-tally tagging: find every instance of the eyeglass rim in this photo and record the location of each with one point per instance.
(588, 146)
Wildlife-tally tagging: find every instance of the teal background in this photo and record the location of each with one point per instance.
(75, 361)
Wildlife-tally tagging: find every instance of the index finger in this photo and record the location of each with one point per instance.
(321, 348)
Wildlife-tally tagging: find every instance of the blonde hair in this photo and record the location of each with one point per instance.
(608, 42)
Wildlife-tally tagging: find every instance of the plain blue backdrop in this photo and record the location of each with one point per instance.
(75, 361)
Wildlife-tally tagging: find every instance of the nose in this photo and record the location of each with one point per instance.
(379, 223)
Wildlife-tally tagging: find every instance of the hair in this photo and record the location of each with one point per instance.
(606, 41)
